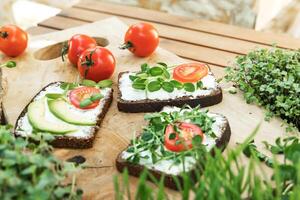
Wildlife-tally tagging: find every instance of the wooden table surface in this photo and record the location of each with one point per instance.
(192, 39)
(189, 38)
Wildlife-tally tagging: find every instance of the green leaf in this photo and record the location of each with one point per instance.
(166, 74)
(54, 95)
(132, 78)
(156, 71)
(197, 140)
(172, 136)
(154, 86)
(69, 86)
(167, 86)
(199, 85)
(96, 97)
(88, 83)
(86, 102)
(146, 136)
(163, 64)
(177, 84)
(189, 87)
(144, 67)
(105, 83)
(139, 86)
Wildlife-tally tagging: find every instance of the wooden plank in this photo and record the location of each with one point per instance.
(216, 28)
(173, 33)
(37, 30)
(185, 50)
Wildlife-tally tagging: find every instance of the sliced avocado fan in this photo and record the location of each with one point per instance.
(64, 111)
(36, 117)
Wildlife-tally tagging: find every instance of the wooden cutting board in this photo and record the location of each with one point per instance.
(41, 64)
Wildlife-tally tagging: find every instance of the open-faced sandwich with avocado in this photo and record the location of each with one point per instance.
(154, 87)
(72, 112)
(166, 144)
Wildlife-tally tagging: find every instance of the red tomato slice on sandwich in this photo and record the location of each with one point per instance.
(177, 142)
(190, 72)
(81, 93)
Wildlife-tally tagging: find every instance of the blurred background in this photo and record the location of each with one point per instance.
(280, 16)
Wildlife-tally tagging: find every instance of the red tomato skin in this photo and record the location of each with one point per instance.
(78, 94)
(201, 70)
(170, 144)
(103, 64)
(77, 44)
(15, 43)
(144, 39)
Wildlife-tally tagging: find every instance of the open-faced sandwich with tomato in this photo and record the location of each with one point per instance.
(72, 112)
(154, 87)
(169, 144)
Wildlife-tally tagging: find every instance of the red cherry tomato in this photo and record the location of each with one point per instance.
(76, 45)
(96, 64)
(81, 93)
(187, 132)
(190, 72)
(13, 40)
(141, 39)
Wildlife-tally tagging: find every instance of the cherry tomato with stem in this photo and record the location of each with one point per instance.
(96, 64)
(141, 39)
(76, 45)
(13, 40)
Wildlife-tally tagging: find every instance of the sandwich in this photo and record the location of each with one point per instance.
(71, 112)
(152, 88)
(166, 146)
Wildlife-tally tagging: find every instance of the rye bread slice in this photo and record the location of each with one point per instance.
(64, 141)
(137, 169)
(149, 105)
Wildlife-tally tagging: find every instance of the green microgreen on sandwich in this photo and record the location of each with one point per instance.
(155, 140)
(160, 76)
(270, 78)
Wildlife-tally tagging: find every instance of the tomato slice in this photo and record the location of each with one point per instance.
(190, 72)
(81, 93)
(187, 132)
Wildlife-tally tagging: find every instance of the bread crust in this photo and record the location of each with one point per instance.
(63, 141)
(137, 169)
(149, 105)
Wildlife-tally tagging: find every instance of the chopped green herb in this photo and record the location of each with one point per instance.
(105, 83)
(189, 87)
(154, 86)
(88, 83)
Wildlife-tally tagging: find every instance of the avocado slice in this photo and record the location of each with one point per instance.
(36, 117)
(64, 111)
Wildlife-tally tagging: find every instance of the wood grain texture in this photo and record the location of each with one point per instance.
(183, 49)
(282, 40)
(172, 32)
(117, 128)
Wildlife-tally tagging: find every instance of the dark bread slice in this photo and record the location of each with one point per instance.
(137, 169)
(63, 141)
(3, 118)
(149, 105)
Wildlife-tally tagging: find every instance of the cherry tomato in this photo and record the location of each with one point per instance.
(190, 72)
(13, 40)
(96, 64)
(187, 132)
(141, 39)
(76, 45)
(81, 93)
